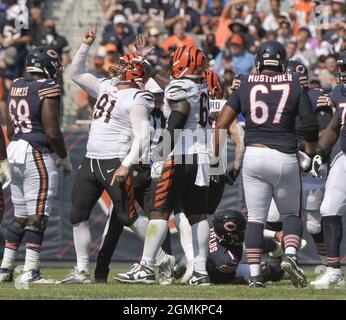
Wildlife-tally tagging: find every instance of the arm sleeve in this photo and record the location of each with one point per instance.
(308, 118)
(79, 75)
(139, 118)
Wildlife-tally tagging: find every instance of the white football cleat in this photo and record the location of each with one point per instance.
(34, 277)
(6, 275)
(140, 273)
(333, 277)
(77, 277)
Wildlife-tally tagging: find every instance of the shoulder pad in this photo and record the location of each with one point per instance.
(17, 79)
(179, 90)
(144, 98)
(49, 89)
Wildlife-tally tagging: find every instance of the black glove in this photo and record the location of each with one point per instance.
(231, 176)
(148, 69)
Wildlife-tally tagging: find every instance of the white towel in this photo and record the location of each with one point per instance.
(16, 151)
(202, 177)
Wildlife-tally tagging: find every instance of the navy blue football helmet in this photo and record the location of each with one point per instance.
(45, 61)
(271, 54)
(229, 227)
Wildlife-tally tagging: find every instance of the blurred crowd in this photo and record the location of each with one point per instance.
(229, 31)
(23, 26)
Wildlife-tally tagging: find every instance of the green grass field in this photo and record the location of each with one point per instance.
(116, 290)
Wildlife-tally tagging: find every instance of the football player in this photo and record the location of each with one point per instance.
(140, 176)
(334, 202)
(34, 131)
(216, 182)
(226, 251)
(313, 189)
(270, 102)
(182, 166)
(121, 113)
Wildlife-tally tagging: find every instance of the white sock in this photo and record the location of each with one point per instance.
(200, 240)
(255, 270)
(139, 227)
(82, 241)
(185, 234)
(32, 260)
(9, 258)
(156, 233)
(291, 250)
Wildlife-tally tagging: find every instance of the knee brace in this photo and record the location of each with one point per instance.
(313, 222)
(36, 224)
(15, 233)
(34, 231)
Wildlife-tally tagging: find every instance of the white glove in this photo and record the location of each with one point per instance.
(316, 163)
(304, 161)
(66, 165)
(324, 101)
(156, 169)
(5, 173)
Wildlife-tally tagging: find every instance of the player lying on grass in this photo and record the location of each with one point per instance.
(226, 246)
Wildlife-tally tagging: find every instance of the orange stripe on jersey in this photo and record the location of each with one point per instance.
(131, 209)
(160, 196)
(43, 191)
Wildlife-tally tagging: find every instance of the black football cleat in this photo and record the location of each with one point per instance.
(256, 282)
(199, 279)
(297, 276)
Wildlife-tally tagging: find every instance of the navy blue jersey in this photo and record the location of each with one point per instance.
(323, 115)
(222, 262)
(339, 99)
(25, 103)
(270, 105)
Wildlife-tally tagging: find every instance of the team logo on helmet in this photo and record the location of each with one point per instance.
(52, 53)
(300, 69)
(230, 226)
(188, 61)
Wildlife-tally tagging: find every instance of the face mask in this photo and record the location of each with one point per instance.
(50, 30)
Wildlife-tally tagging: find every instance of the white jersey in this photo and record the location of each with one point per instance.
(111, 132)
(194, 137)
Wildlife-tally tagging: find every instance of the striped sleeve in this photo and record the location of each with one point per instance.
(144, 98)
(179, 90)
(50, 89)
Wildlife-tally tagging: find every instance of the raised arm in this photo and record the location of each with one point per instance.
(78, 72)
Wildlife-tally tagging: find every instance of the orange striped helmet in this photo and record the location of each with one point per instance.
(188, 62)
(214, 84)
(127, 69)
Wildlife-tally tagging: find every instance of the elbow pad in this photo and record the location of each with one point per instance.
(311, 129)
